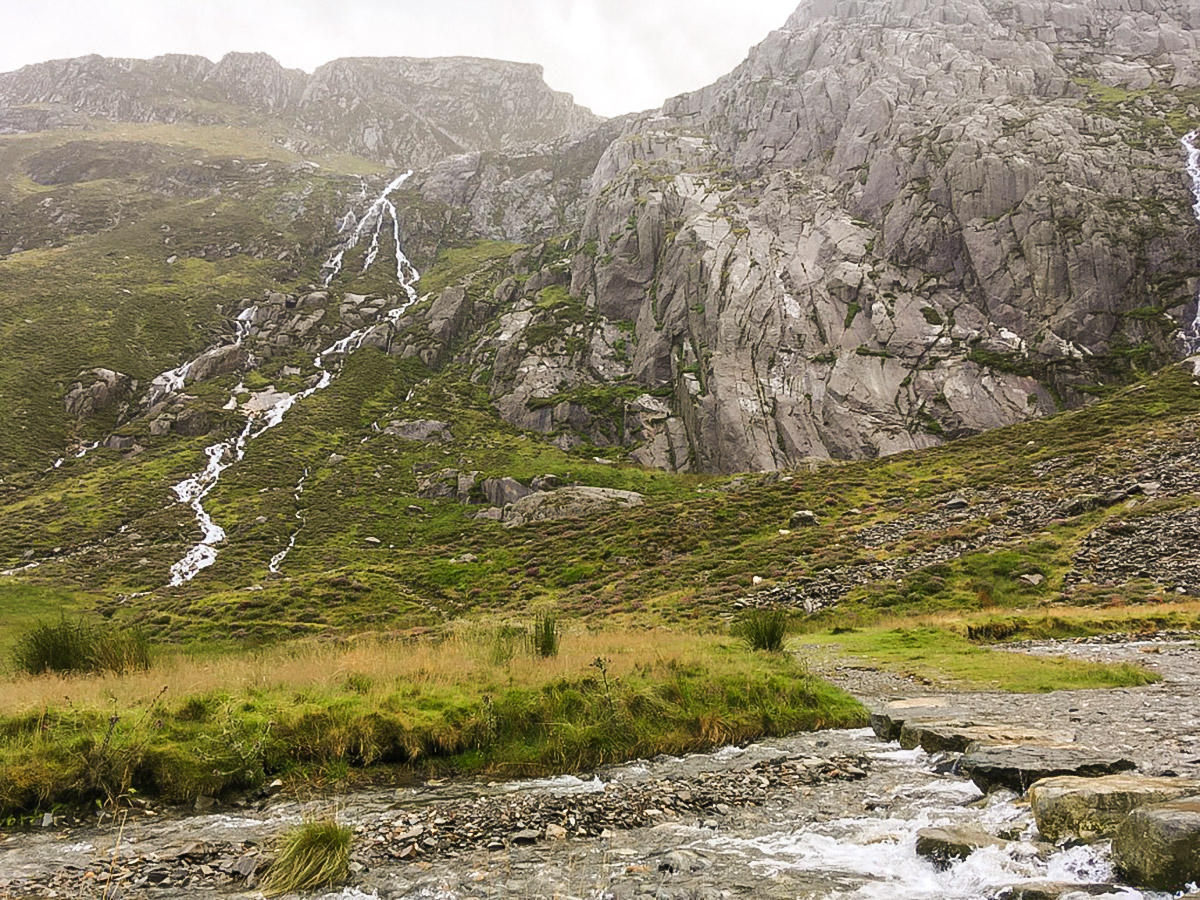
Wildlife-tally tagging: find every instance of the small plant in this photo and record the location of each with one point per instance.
(543, 637)
(764, 629)
(315, 855)
(80, 646)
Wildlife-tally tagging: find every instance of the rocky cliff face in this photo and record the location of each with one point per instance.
(401, 112)
(895, 222)
(898, 221)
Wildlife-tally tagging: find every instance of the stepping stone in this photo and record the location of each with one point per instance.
(1017, 766)
(1092, 808)
(1158, 846)
(942, 736)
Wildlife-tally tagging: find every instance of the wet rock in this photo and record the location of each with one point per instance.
(1059, 890)
(945, 846)
(1159, 846)
(1018, 766)
(1092, 808)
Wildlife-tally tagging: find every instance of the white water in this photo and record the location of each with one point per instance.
(374, 220)
(1192, 335)
(278, 558)
(221, 456)
(79, 454)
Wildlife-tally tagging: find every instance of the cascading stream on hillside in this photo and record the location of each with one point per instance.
(1192, 335)
(193, 491)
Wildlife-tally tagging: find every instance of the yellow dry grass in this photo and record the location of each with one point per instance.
(476, 656)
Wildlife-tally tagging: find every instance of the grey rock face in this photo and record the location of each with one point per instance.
(97, 390)
(896, 222)
(401, 112)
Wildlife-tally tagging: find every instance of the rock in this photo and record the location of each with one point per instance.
(955, 736)
(888, 722)
(1060, 890)
(1033, 580)
(1158, 846)
(495, 514)
(1091, 808)
(526, 836)
(374, 541)
(568, 503)
(95, 391)
(944, 846)
(423, 430)
(804, 518)
(438, 486)
(956, 503)
(1018, 766)
(556, 833)
(547, 483)
(504, 491)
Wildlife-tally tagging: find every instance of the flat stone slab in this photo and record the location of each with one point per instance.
(1158, 846)
(945, 846)
(950, 736)
(1092, 808)
(888, 722)
(1018, 766)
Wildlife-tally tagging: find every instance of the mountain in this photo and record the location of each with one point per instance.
(243, 348)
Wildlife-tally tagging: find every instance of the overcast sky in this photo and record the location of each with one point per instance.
(615, 56)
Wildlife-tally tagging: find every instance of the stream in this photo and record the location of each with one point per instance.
(839, 837)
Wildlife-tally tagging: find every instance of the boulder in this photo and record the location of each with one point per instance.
(1017, 766)
(804, 518)
(888, 722)
(423, 430)
(96, 390)
(568, 503)
(439, 485)
(1092, 808)
(944, 846)
(504, 491)
(1158, 846)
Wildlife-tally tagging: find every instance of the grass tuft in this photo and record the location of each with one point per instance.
(65, 647)
(764, 629)
(315, 855)
(544, 637)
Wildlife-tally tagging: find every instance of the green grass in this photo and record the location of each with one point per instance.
(80, 646)
(209, 725)
(764, 629)
(314, 855)
(951, 660)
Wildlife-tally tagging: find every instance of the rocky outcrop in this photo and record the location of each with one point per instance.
(568, 503)
(1091, 808)
(1159, 846)
(397, 111)
(893, 224)
(97, 390)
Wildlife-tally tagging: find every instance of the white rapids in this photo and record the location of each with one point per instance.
(260, 419)
(1192, 335)
(278, 558)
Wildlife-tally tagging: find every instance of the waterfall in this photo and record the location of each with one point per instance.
(1191, 336)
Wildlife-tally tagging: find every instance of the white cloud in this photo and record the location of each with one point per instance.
(614, 55)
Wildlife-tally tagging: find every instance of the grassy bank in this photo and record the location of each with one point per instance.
(949, 659)
(476, 702)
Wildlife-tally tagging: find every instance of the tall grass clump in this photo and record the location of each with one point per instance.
(67, 647)
(315, 855)
(764, 629)
(544, 637)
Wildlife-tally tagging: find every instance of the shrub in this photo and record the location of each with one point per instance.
(764, 629)
(543, 637)
(66, 647)
(315, 855)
